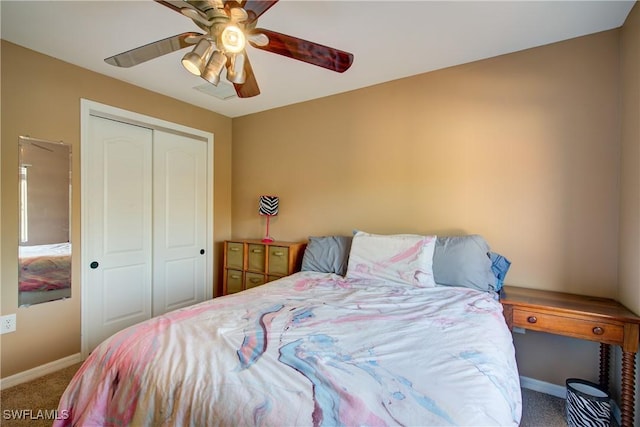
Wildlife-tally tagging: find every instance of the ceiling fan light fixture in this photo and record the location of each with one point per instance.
(233, 39)
(228, 25)
(235, 70)
(212, 72)
(196, 60)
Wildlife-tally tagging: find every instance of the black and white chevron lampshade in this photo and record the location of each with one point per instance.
(268, 205)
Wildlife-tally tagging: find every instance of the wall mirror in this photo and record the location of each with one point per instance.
(44, 194)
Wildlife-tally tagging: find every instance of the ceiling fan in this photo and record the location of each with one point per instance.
(228, 26)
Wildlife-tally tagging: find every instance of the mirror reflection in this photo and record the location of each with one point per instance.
(44, 193)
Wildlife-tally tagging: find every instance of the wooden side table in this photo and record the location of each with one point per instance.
(251, 262)
(596, 319)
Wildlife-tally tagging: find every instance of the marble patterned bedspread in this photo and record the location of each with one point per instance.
(311, 349)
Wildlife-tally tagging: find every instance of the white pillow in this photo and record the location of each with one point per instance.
(401, 258)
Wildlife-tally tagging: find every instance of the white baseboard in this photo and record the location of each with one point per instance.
(39, 371)
(558, 391)
(543, 387)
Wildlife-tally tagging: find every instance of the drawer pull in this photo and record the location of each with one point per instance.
(598, 330)
(532, 319)
(255, 280)
(234, 249)
(235, 276)
(257, 251)
(278, 253)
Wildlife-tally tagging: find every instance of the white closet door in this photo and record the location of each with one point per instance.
(180, 221)
(120, 227)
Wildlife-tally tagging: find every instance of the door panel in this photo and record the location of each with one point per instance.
(119, 227)
(180, 212)
(177, 272)
(124, 299)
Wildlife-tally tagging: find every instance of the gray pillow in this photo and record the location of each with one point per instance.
(328, 254)
(463, 261)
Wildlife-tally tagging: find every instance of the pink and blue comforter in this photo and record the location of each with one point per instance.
(311, 349)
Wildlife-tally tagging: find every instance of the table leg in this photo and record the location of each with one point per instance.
(605, 352)
(628, 388)
(507, 312)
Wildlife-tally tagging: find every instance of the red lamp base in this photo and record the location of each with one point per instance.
(268, 238)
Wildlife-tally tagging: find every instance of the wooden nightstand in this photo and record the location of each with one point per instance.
(602, 320)
(251, 263)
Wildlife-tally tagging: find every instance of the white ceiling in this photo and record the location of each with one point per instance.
(389, 40)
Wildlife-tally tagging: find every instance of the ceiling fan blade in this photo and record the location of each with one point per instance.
(175, 5)
(205, 5)
(250, 86)
(152, 50)
(303, 50)
(195, 10)
(200, 5)
(255, 8)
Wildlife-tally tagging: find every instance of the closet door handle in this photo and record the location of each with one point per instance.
(94, 265)
(201, 251)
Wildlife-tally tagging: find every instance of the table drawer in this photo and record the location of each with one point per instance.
(256, 257)
(251, 280)
(235, 257)
(234, 281)
(278, 260)
(611, 333)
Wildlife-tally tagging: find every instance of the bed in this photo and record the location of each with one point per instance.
(45, 272)
(381, 344)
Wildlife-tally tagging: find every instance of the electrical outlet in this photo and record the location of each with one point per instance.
(7, 323)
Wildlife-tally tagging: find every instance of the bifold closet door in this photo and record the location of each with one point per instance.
(179, 218)
(119, 227)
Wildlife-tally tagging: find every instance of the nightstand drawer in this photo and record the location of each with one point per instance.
(249, 263)
(571, 326)
(234, 281)
(278, 260)
(256, 257)
(235, 256)
(251, 280)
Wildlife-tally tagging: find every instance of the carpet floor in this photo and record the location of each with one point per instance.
(32, 401)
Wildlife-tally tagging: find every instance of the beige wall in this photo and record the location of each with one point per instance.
(629, 244)
(522, 148)
(41, 98)
(629, 268)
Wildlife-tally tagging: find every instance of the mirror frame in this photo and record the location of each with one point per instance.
(44, 266)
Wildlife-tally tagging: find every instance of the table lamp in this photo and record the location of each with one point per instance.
(268, 207)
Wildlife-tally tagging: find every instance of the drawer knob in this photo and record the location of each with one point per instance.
(532, 319)
(598, 330)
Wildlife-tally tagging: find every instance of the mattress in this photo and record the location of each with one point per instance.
(309, 349)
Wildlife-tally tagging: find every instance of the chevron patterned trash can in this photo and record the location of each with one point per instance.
(587, 404)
